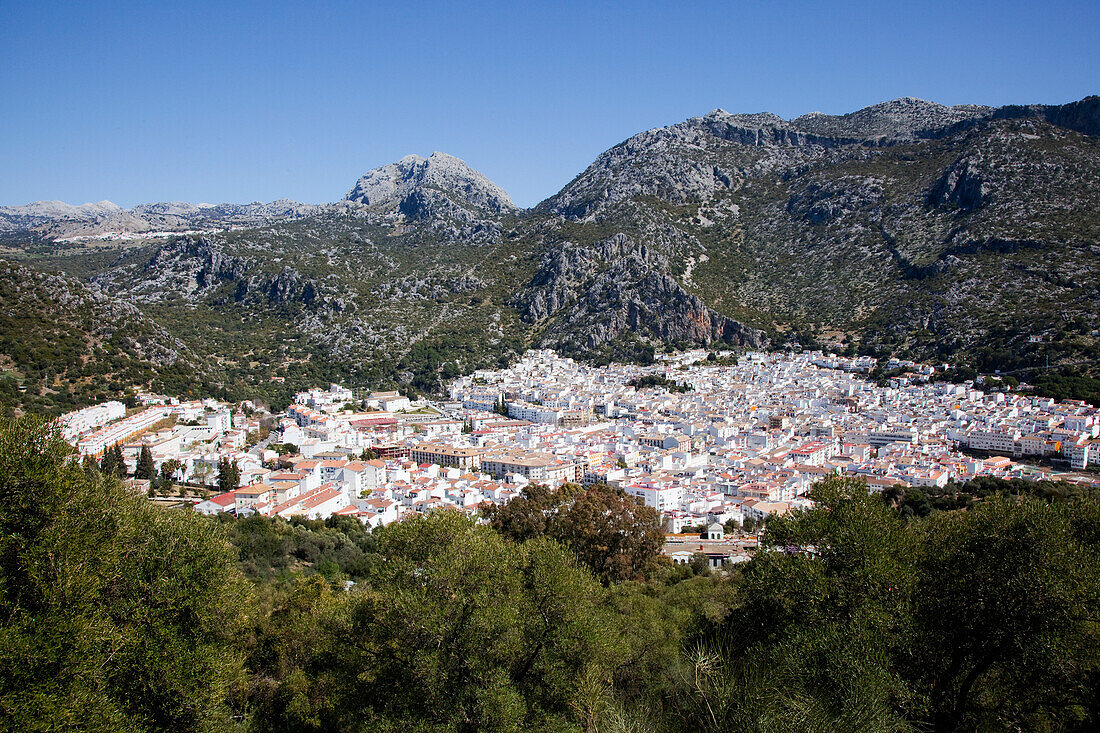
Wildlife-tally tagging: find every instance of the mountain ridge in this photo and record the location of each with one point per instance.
(390, 186)
(414, 187)
(898, 121)
(966, 235)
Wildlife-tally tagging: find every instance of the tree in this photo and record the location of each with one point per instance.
(229, 474)
(528, 515)
(826, 599)
(113, 463)
(169, 468)
(658, 380)
(256, 437)
(145, 468)
(90, 465)
(853, 617)
(699, 563)
(604, 528)
(1006, 632)
(115, 614)
(202, 472)
(456, 629)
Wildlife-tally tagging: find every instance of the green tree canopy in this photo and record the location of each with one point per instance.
(455, 629)
(1006, 623)
(605, 529)
(145, 468)
(114, 614)
(854, 618)
(229, 474)
(169, 468)
(113, 463)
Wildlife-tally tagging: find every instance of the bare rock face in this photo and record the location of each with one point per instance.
(898, 120)
(422, 189)
(195, 267)
(965, 184)
(591, 295)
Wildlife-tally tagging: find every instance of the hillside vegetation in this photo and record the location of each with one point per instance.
(64, 345)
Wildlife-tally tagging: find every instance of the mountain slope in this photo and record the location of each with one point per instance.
(965, 234)
(334, 297)
(63, 345)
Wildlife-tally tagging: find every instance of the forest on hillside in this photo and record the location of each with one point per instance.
(971, 609)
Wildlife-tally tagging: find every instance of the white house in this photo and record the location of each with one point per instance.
(219, 504)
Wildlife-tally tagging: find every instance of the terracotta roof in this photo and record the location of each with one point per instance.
(224, 500)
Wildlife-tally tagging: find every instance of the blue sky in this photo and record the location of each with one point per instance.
(207, 101)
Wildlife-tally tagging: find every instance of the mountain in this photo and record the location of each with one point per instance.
(64, 345)
(684, 162)
(963, 234)
(427, 188)
(414, 188)
(53, 220)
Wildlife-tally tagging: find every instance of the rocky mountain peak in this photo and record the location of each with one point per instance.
(905, 118)
(423, 188)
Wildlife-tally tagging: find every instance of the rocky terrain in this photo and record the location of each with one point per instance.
(63, 344)
(963, 234)
(413, 188)
(423, 189)
(53, 220)
(907, 226)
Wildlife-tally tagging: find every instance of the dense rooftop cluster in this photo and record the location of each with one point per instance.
(744, 440)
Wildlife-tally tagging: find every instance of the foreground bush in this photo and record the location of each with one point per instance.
(114, 614)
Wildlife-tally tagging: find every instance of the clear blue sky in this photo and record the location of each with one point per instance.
(205, 101)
